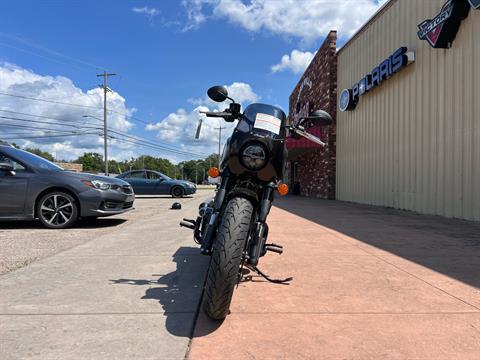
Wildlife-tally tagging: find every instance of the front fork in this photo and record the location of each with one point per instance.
(209, 232)
(260, 229)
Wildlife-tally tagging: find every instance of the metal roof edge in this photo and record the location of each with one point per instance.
(377, 13)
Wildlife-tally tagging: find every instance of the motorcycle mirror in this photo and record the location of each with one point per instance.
(218, 93)
(317, 118)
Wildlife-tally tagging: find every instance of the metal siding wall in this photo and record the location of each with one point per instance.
(414, 142)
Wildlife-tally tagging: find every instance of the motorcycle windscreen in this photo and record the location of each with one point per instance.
(263, 119)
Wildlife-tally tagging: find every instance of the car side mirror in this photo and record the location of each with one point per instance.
(7, 167)
(218, 93)
(317, 118)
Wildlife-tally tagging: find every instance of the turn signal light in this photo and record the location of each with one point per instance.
(282, 189)
(213, 172)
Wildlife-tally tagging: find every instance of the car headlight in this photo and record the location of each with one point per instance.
(254, 156)
(97, 184)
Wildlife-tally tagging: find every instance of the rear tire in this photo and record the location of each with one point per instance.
(226, 257)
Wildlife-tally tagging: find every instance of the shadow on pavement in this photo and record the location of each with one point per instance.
(447, 246)
(86, 223)
(179, 292)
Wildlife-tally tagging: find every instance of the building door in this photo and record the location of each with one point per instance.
(295, 181)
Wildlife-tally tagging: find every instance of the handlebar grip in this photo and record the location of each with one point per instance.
(215, 114)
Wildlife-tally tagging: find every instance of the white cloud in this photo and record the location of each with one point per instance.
(61, 118)
(181, 125)
(146, 10)
(149, 12)
(296, 62)
(306, 19)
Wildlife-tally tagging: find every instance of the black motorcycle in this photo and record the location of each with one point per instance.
(232, 227)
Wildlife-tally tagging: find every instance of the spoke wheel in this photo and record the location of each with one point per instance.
(57, 210)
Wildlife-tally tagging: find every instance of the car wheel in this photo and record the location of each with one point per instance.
(178, 191)
(57, 210)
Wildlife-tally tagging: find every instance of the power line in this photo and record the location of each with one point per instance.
(177, 152)
(25, 127)
(155, 143)
(46, 136)
(156, 147)
(27, 132)
(134, 137)
(77, 105)
(41, 56)
(51, 101)
(45, 117)
(53, 52)
(44, 122)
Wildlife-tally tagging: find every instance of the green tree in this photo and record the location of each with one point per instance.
(91, 162)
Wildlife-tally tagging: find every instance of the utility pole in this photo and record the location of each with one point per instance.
(105, 134)
(219, 142)
(196, 172)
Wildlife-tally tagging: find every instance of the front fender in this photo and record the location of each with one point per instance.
(244, 193)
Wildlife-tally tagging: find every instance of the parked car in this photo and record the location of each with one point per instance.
(150, 182)
(34, 188)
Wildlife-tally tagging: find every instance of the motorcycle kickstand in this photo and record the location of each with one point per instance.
(266, 277)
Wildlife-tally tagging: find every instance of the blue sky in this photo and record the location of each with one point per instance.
(166, 54)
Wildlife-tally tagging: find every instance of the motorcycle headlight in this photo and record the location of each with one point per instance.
(254, 157)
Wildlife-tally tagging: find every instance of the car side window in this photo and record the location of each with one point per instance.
(136, 175)
(153, 176)
(16, 166)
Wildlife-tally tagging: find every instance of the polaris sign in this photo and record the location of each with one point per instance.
(397, 61)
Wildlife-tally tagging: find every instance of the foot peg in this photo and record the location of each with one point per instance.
(274, 248)
(188, 224)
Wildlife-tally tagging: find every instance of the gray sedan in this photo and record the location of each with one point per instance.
(34, 188)
(150, 182)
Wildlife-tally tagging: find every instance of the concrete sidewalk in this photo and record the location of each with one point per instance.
(369, 283)
(132, 293)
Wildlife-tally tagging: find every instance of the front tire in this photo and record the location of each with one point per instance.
(57, 210)
(177, 192)
(226, 257)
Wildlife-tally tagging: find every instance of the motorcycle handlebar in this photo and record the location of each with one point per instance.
(216, 114)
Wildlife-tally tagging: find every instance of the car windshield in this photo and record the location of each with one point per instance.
(266, 119)
(35, 161)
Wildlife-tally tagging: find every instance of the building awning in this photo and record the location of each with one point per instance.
(297, 147)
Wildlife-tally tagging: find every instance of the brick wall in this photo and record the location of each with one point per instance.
(317, 89)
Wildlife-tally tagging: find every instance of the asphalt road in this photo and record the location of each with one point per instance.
(125, 287)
